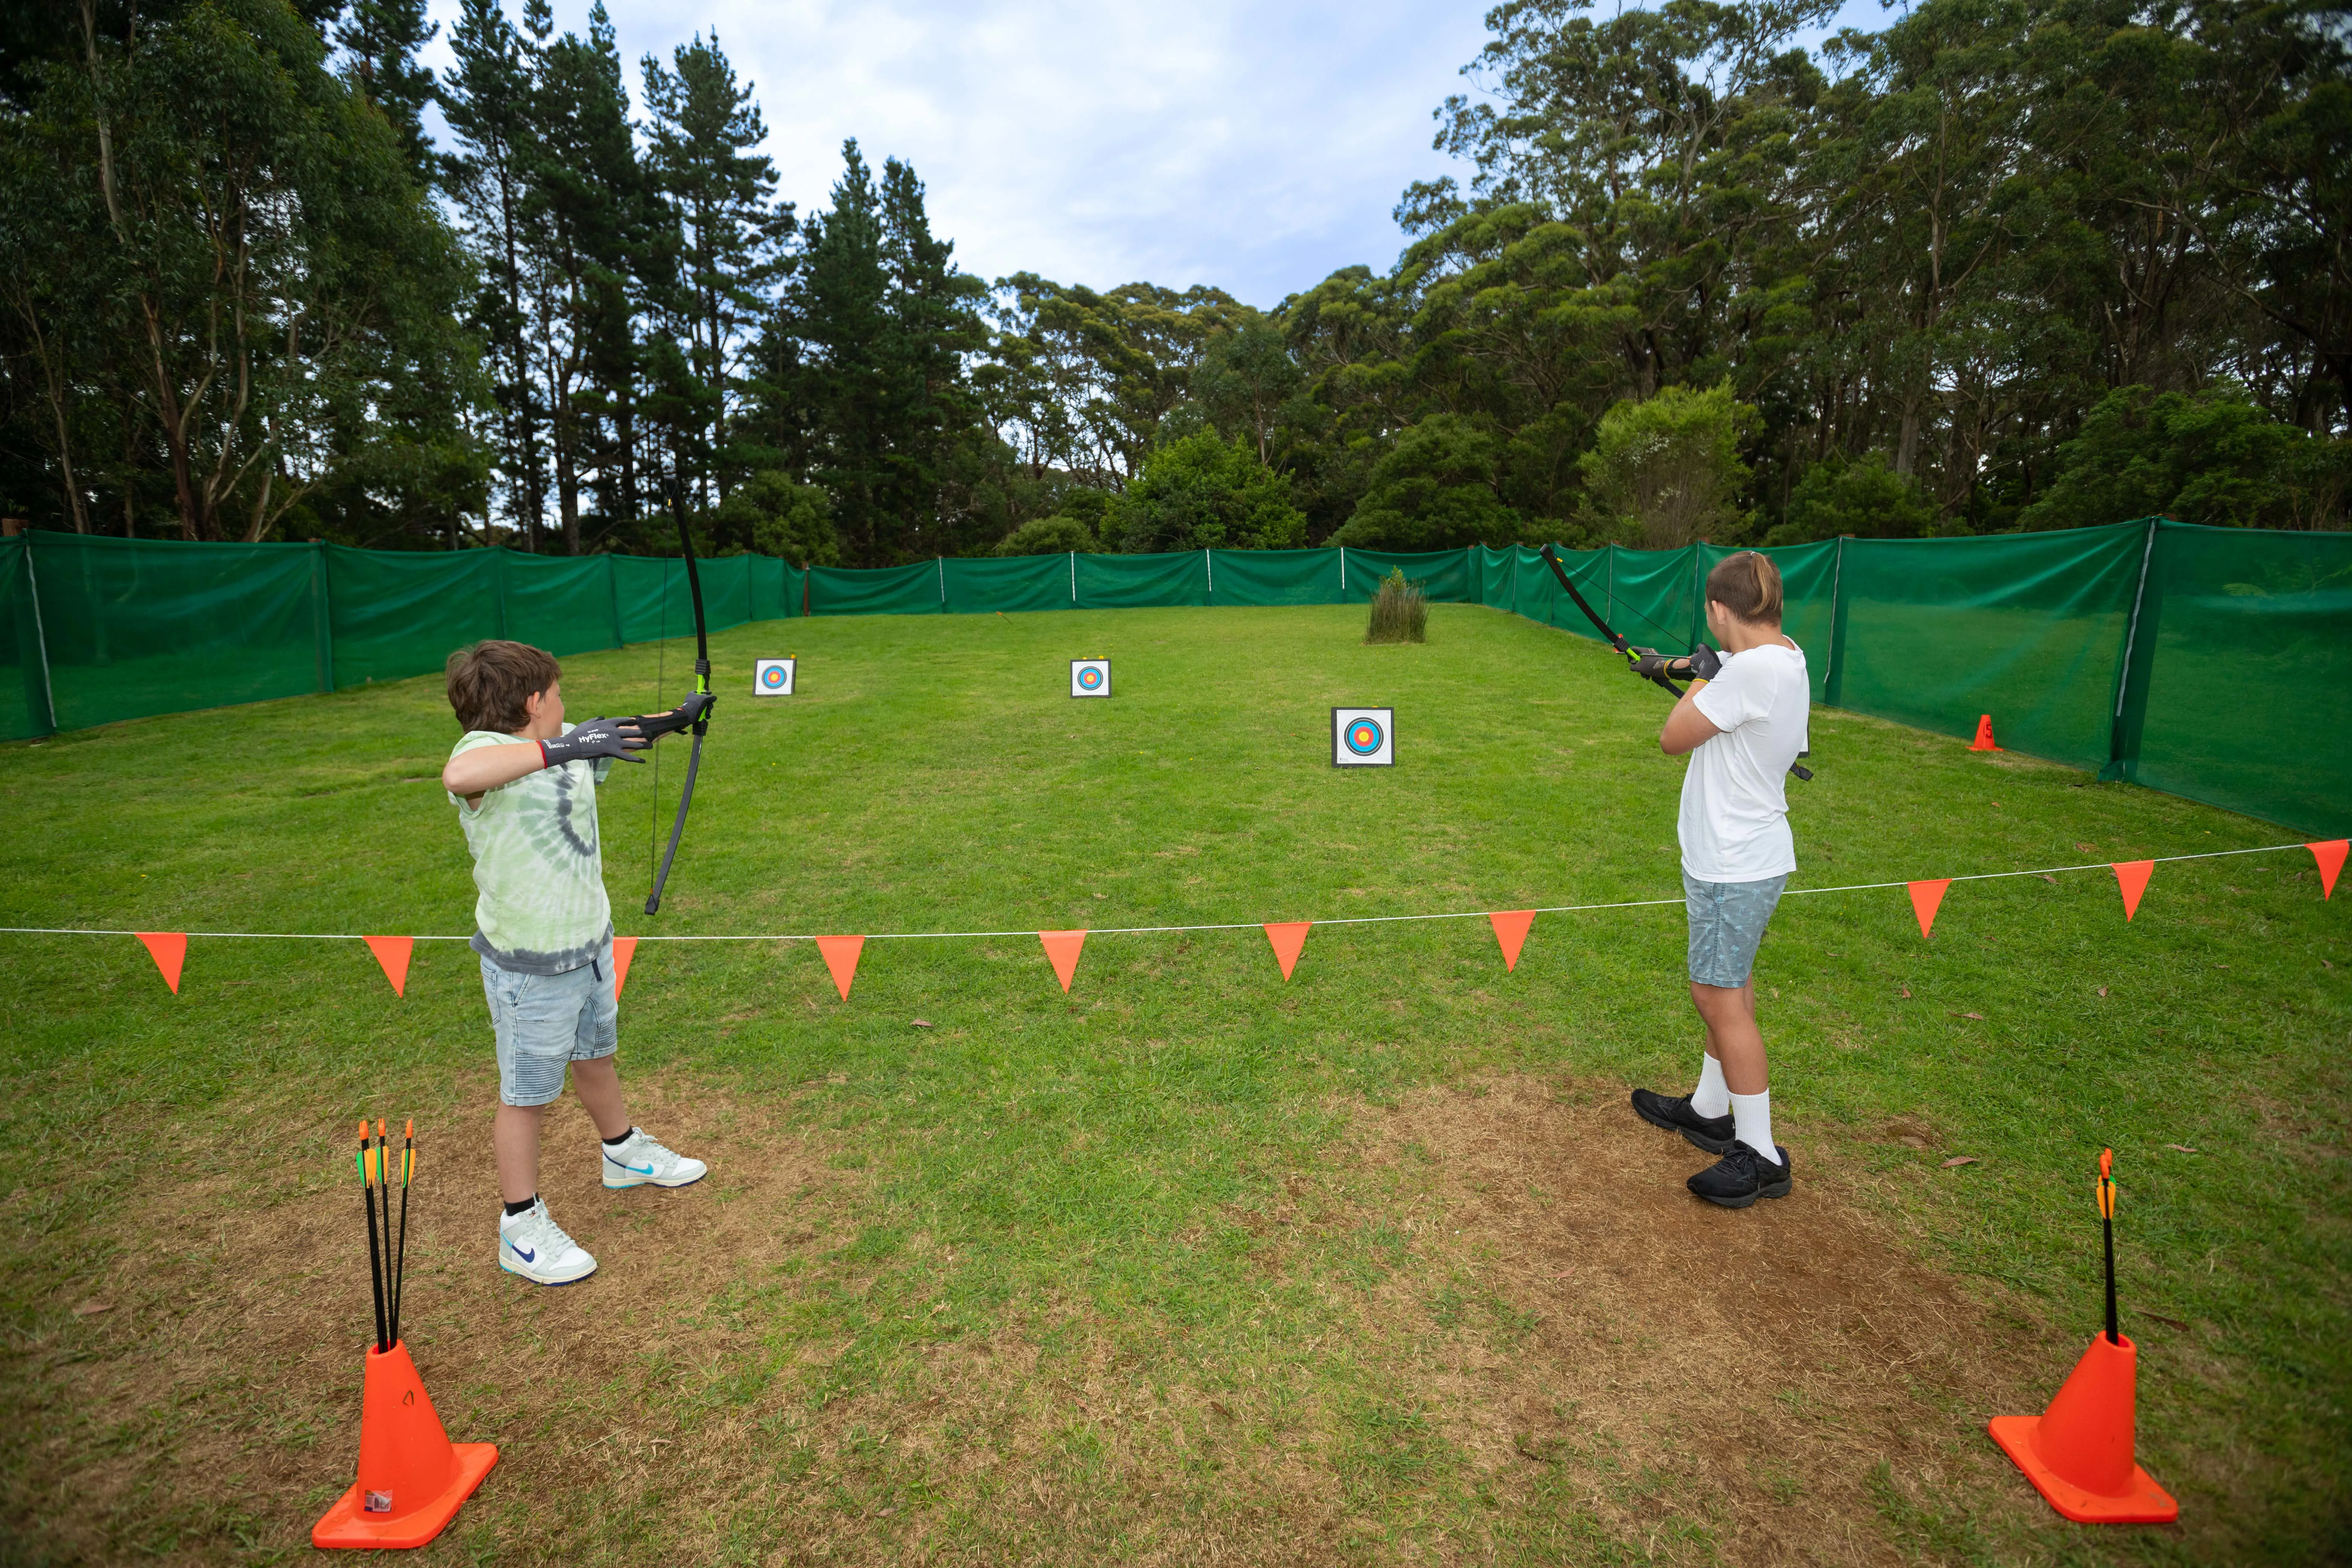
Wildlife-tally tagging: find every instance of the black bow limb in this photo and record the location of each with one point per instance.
(694, 712)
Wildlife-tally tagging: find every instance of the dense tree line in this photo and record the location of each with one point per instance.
(2004, 264)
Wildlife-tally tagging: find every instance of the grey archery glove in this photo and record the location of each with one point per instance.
(684, 716)
(596, 737)
(1704, 664)
(1649, 664)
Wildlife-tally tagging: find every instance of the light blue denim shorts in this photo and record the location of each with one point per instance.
(1727, 925)
(546, 1022)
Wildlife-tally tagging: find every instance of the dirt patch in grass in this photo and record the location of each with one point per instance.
(1785, 1374)
(1496, 1329)
(212, 1409)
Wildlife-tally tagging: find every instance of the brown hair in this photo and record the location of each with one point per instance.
(488, 681)
(1749, 585)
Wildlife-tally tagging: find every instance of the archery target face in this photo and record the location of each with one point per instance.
(1363, 737)
(1089, 677)
(772, 677)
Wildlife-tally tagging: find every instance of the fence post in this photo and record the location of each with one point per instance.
(498, 583)
(1610, 548)
(1343, 575)
(2131, 696)
(1210, 568)
(40, 640)
(322, 618)
(1837, 623)
(612, 585)
(943, 583)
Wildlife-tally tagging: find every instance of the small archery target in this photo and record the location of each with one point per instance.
(1089, 677)
(773, 676)
(1363, 737)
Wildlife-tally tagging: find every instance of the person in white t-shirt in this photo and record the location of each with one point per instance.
(1742, 724)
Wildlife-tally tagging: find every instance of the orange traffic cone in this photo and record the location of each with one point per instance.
(1983, 742)
(411, 1477)
(2078, 1453)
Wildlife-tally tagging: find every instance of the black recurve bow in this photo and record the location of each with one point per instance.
(1633, 661)
(702, 720)
(1616, 640)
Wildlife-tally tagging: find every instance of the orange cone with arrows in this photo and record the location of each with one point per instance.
(2078, 1453)
(411, 1478)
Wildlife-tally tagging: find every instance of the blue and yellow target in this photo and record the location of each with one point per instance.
(1363, 737)
(1089, 677)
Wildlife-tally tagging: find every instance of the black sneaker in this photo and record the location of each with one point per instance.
(1742, 1176)
(1712, 1133)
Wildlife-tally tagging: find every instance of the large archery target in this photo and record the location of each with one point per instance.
(772, 677)
(1089, 677)
(1363, 737)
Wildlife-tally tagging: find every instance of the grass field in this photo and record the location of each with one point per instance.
(1190, 1265)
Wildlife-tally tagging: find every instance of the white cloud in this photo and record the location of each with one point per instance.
(1253, 144)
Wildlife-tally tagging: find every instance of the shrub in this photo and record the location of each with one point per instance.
(1864, 497)
(1201, 494)
(1434, 490)
(1666, 471)
(1400, 614)
(1055, 535)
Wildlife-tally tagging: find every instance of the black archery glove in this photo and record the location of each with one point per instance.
(1649, 664)
(684, 716)
(596, 737)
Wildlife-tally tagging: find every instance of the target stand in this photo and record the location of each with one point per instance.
(1363, 737)
(773, 676)
(1089, 677)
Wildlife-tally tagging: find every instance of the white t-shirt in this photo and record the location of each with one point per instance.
(1735, 814)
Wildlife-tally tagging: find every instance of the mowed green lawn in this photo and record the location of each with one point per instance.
(1146, 1271)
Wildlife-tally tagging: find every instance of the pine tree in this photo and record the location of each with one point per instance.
(382, 38)
(730, 236)
(587, 189)
(487, 98)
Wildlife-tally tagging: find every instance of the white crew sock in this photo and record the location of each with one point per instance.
(1713, 1096)
(1751, 1120)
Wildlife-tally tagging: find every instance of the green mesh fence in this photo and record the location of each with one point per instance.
(2205, 662)
(2239, 666)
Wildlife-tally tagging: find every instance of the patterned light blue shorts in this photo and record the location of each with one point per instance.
(546, 1022)
(1727, 925)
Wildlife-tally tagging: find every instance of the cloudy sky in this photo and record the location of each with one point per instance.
(1253, 144)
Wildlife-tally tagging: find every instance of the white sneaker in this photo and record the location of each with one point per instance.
(639, 1160)
(532, 1245)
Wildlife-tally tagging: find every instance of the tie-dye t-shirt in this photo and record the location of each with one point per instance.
(537, 864)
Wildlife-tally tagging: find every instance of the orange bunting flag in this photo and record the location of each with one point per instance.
(1289, 936)
(625, 948)
(1511, 933)
(841, 957)
(2330, 856)
(391, 951)
(2132, 877)
(1927, 898)
(1062, 947)
(170, 950)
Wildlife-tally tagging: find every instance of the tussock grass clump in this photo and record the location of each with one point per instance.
(1400, 614)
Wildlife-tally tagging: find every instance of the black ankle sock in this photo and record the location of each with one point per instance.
(616, 1142)
(523, 1207)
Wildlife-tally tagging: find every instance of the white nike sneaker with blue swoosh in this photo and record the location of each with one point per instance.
(637, 1160)
(532, 1245)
